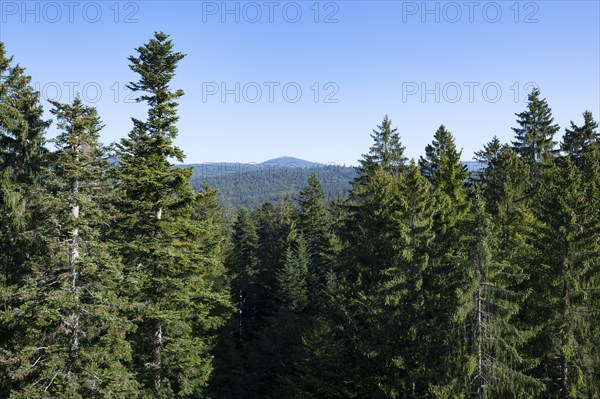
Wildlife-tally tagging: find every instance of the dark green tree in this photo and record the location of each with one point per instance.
(244, 267)
(535, 134)
(22, 156)
(231, 377)
(489, 152)
(578, 139)
(496, 343)
(272, 361)
(569, 244)
(174, 275)
(386, 152)
(368, 296)
(72, 330)
(448, 279)
(314, 222)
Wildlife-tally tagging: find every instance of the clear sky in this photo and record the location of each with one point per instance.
(312, 79)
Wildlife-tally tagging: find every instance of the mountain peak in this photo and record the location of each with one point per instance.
(290, 162)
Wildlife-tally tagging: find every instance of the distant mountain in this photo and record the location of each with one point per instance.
(251, 184)
(209, 170)
(291, 162)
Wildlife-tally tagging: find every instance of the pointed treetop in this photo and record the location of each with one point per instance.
(386, 152)
(578, 138)
(534, 136)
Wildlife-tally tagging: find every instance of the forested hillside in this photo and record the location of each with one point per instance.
(251, 185)
(242, 185)
(118, 280)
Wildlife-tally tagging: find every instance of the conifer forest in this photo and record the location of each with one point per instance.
(121, 279)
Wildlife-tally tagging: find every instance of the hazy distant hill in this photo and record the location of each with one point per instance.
(291, 162)
(251, 184)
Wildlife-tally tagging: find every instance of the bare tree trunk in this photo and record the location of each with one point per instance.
(156, 356)
(73, 257)
(158, 337)
(480, 381)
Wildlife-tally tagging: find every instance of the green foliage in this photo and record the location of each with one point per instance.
(534, 136)
(569, 244)
(174, 273)
(22, 157)
(71, 340)
(315, 224)
(386, 152)
(447, 278)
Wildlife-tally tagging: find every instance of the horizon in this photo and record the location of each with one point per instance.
(294, 159)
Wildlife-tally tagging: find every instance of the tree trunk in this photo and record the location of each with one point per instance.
(73, 257)
(158, 337)
(480, 381)
(156, 356)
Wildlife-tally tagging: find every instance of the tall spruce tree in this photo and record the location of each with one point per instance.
(535, 134)
(172, 276)
(418, 209)
(244, 267)
(372, 286)
(22, 155)
(72, 338)
(589, 335)
(447, 279)
(569, 247)
(496, 340)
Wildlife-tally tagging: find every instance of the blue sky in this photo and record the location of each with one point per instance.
(312, 79)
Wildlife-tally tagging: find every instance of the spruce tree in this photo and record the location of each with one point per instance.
(173, 278)
(272, 361)
(314, 222)
(72, 337)
(22, 125)
(489, 152)
(569, 246)
(244, 269)
(22, 156)
(578, 139)
(372, 285)
(535, 134)
(386, 151)
(418, 208)
(231, 376)
(276, 227)
(496, 339)
(447, 278)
